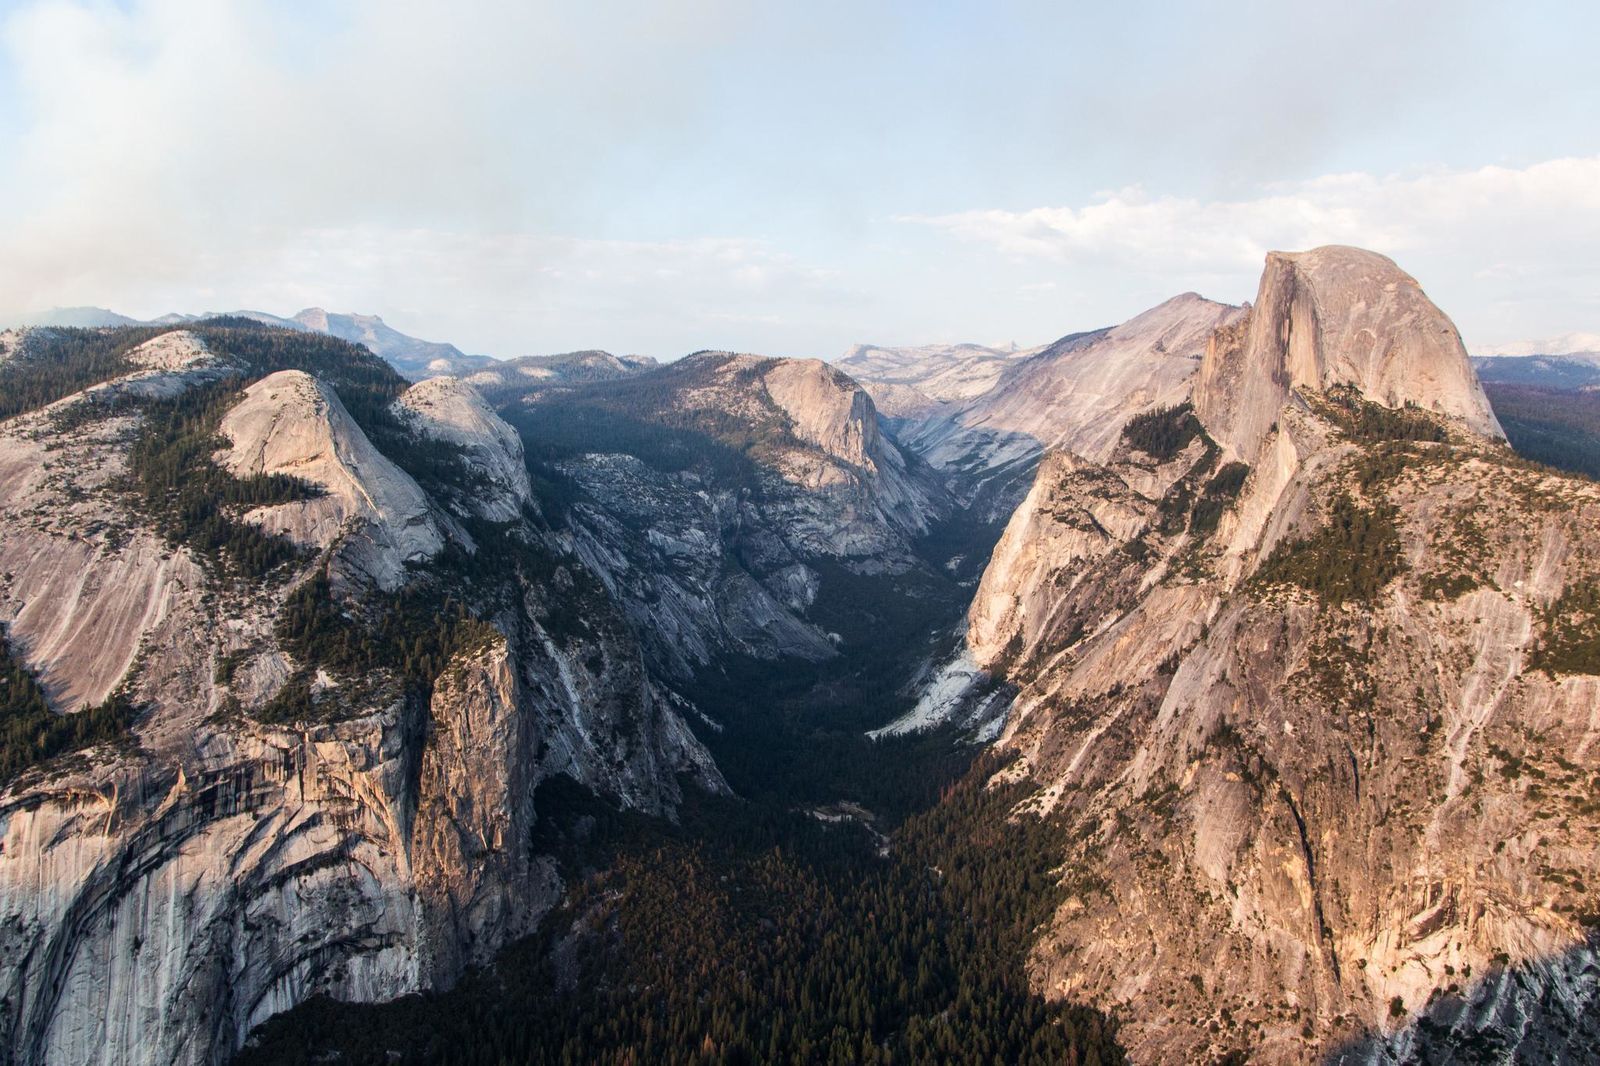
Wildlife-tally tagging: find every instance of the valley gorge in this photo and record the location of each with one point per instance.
(1219, 686)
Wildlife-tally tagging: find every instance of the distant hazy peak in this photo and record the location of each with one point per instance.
(73, 317)
(1336, 316)
(313, 318)
(1170, 325)
(862, 352)
(1580, 344)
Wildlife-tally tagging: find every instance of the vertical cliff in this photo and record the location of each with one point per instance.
(1335, 316)
(337, 703)
(1300, 681)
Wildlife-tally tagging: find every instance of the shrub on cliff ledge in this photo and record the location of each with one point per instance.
(1572, 632)
(1351, 558)
(31, 733)
(1163, 432)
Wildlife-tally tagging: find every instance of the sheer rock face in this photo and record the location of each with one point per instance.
(156, 908)
(707, 563)
(449, 410)
(1336, 316)
(860, 474)
(161, 897)
(79, 602)
(292, 424)
(1285, 810)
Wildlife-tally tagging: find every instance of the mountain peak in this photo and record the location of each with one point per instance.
(1330, 316)
(313, 318)
(74, 317)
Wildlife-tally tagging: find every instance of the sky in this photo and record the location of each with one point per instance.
(789, 178)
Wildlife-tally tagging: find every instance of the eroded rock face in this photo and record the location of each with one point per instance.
(1073, 396)
(868, 498)
(1306, 801)
(291, 423)
(161, 897)
(676, 552)
(452, 411)
(1336, 316)
(714, 559)
(911, 385)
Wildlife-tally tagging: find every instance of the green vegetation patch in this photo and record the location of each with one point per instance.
(1223, 488)
(1363, 420)
(411, 634)
(31, 733)
(1163, 432)
(192, 500)
(1350, 559)
(1571, 642)
(1556, 427)
(753, 935)
(55, 363)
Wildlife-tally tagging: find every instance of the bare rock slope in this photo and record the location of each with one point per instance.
(286, 813)
(449, 410)
(1318, 730)
(291, 424)
(1336, 316)
(1074, 395)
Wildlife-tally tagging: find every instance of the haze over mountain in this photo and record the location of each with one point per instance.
(76, 317)
(416, 359)
(1211, 713)
(799, 534)
(1568, 344)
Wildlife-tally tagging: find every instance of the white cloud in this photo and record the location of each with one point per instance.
(424, 158)
(493, 291)
(1556, 201)
(1497, 239)
(413, 157)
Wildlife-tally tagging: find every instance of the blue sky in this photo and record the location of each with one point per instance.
(789, 178)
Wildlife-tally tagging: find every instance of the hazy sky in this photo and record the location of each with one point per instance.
(789, 178)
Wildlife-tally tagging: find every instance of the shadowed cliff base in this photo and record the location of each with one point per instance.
(1542, 1012)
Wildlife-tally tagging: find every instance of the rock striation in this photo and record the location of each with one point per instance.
(449, 410)
(1319, 756)
(1336, 316)
(294, 425)
(162, 895)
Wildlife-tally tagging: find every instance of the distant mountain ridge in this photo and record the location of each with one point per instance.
(72, 317)
(1575, 343)
(416, 359)
(1544, 371)
(1074, 394)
